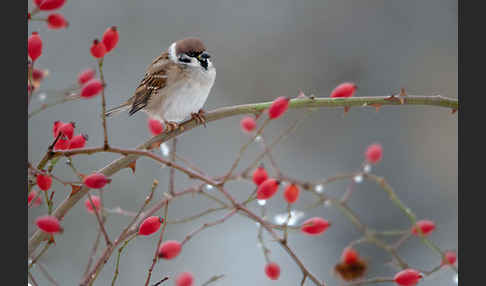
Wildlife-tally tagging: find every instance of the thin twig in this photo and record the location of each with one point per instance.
(117, 271)
(371, 281)
(265, 250)
(267, 152)
(120, 211)
(44, 249)
(129, 230)
(303, 279)
(161, 237)
(65, 98)
(46, 274)
(283, 244)
(225, 112)
(243, 149)
(402, 240)
(103, 104)
(196, 216)
(93, 252)
(213, 279)
(408, 212)
(207, 225)
(172, 171)
(32, 279)
(100, 220)
(189, 164)
(161, 281)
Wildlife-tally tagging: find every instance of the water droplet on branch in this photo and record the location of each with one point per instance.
(208, 187)
(367, 168)
(358, 179)
(42, 97)
(295, 216)
(164, 149)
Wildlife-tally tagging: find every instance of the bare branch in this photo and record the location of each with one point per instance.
(154, 260)
(213, 279)
(207, 225)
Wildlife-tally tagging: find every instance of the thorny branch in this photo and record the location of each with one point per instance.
(131, 155)
(103, 104)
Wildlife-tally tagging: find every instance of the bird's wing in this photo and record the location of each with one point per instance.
(159, 74)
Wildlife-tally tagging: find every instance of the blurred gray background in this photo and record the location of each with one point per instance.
(264, 49)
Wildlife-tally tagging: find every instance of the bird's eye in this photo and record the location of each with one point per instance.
(183, 58)
(205, 56)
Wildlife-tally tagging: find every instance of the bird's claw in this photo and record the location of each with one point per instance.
(171, 126)
(199, 117)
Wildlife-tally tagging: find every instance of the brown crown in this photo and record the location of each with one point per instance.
(190, 45)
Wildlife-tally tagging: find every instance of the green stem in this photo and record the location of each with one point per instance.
(225, 112)
(118, 258)
(103, 104)
(408, 212)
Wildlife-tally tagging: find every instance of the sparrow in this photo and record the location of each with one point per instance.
(175, 85)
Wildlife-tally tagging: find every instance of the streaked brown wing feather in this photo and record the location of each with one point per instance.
(155, 79)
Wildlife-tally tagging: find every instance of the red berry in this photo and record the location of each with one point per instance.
(56, 21)
(49, 224)
(61, 144)
(44, 182)
(67, 129)
(346, 89)
(315, 226)
(91, 88)
(32, 195)
(272, 270)
(407, 277)
(349, 256)
(38, 75)
(450, 257)
(184, 279)
(110, 38)
(259, 175)
(150, 225)
(170, 249)
(278, 107)
(50, 4)
(267, 189)
(55, 127)
(155, 126)
(96, 181)
(426, 226)
(248, 124)
(98, 49)
(34, 46)
(374, 153)
(78, 141)
(291, 193)
(85, 75)
(91, 206)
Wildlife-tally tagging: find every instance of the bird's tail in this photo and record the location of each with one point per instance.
(125, 106)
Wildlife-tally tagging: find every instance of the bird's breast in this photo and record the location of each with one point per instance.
(189, 97)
